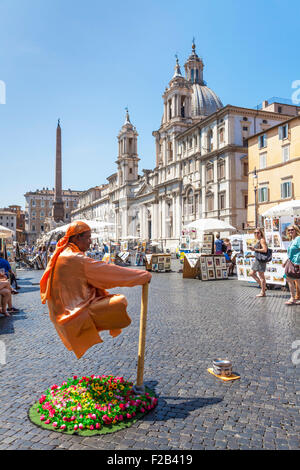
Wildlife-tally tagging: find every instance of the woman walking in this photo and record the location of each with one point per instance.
(259, 266)
(292, 264)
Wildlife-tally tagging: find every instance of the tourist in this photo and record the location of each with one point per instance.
(75, 288)
(292, 264)
(218, 245)
(227, 244)
(5, 293)
(6, 267)
(260, 263)
(230, 262)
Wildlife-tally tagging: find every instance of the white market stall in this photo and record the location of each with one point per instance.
(206, 265)
(276, 221)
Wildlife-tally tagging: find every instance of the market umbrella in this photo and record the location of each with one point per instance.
(5, 232)
(210, 225)
(284, 208)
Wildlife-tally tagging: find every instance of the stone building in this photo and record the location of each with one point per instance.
(274, 168)
(201, 165)
(39, 210)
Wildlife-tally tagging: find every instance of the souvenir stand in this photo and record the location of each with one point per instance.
(276, 221)
(206, 265)
(158, 262)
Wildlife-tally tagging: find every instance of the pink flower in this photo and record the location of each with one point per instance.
(98, 426)
(42, 399)
(47, 421)
(76, 427)
(54, 424)
(63, 426)
(54, 387)
(80, 426)
(74, 377)
(120, 418)
(91, 427)
(42, 417)
(142, 410)
(128, 416)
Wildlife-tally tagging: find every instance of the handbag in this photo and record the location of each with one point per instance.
(264, 257)
(292, 270)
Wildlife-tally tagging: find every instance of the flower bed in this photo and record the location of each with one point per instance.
(91, 405)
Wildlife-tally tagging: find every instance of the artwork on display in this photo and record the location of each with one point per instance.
(284, 234)
(217, 262)
(223, 262)
(225, 274)
(154, 267)
(211, 273)
(209, 262)
(204, 276)
(219, 273)
(276, 241)
(250, 241)
(268, 225)
(154, 260)
(161, 266)
(269, 239)
(297, 221)
(240, 261)
(275, 224)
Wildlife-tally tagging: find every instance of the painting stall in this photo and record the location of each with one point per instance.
(206, 265)
(276, 221)
(160, 263)
(6, 240)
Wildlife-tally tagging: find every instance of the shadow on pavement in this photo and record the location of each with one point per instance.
(181, 409)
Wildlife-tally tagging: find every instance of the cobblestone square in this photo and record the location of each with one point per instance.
(190, 323)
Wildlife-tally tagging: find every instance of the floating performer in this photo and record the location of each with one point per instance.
(74, 287)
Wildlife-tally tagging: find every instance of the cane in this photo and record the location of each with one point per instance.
(139, 388)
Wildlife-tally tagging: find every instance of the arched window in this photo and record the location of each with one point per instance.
(209, 202)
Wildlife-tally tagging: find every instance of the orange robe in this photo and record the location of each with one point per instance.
(79, 305)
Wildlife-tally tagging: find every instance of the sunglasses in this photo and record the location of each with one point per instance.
(291, 230)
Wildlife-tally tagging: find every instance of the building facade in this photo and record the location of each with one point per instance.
(39, 210)
(274, 168)
(201, 164)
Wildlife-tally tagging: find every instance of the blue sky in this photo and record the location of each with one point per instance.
(84, 62)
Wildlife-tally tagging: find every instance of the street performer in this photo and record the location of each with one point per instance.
(74, 287)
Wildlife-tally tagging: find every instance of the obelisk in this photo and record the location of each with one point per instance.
(58, 204)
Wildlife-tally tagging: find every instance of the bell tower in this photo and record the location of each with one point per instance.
(194, 67)
(128, 156)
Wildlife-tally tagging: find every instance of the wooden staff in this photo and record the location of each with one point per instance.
(139, 388)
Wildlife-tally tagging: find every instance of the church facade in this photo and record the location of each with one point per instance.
(201, 164)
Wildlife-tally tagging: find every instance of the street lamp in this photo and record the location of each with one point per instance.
(255, 197)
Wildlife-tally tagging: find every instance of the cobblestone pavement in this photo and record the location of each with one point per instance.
(189, 324)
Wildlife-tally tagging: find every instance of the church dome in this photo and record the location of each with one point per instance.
(204, 101)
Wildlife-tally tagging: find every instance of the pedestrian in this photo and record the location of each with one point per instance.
(6, 267)
(292, 264)
(260, 263)
(227, 244)
(218, 245)
(230, 262)
(5, 294)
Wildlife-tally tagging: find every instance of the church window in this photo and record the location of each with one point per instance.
(222, 135)
(210, 202)
(221, 169)
(182, 107)
(222, 201)
(190, 201)
(197, 75)
(130, 171)
(209, 173)
(192, 75)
